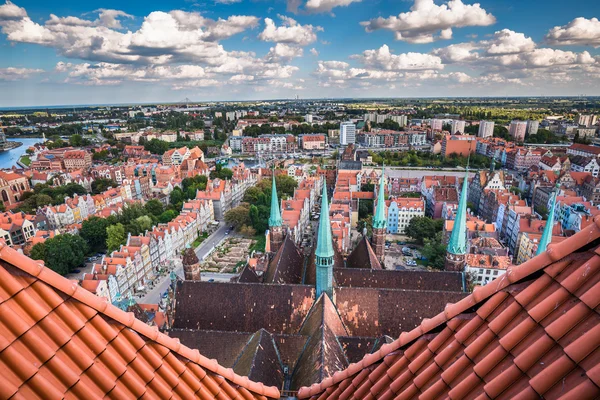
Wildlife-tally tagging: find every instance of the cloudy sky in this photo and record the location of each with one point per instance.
(108, 51)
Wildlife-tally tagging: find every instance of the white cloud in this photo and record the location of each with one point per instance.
(321, 6)
(383, 59)
(228, 1)
(289, 32)
(314, 52)
(425, 19)
(15, 74)
(457, 53)
(509, 42)
(283, 52)
(10, 11)
(579, 32)
(109, 18)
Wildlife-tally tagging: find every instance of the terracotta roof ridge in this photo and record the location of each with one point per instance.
(513, 274)
(60, 283)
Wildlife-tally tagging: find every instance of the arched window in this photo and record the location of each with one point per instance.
(4, 196)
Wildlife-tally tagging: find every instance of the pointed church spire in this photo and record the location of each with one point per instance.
(547, 235)
(379, 218)
(458, 238)
(275, 217)
(324, 252)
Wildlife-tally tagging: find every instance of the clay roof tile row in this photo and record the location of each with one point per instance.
(60, 341)
(529, 333)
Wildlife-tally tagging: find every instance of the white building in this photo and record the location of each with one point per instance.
(517, 130)
(457, 125)
(532, 126)
(402, 120)
(347, 133)
(486, 129)
(308, 118)
(436, 124)
(587, 119)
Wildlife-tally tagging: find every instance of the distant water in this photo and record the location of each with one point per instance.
(9, 158)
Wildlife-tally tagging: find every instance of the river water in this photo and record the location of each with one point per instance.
(9, 158)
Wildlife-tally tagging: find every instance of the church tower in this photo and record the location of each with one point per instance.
(324, 252)
(379, 222)
(191, 265)
(547, 234)
(275, 221)
(457, 246)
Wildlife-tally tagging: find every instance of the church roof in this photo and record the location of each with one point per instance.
(275, 217)
(248, 275)
(379, 219)
(363, 256)
(323, 354)
(61, 341)
(324, 240)
(458, 239)
(287, 264)
(259, 360)
(532, 332)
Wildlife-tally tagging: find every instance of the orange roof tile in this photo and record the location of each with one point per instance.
(61, 341)
(533, 332)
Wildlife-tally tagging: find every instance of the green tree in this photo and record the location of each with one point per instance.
(167, 216)
(156, 146)
(435, 251)
(93, 231)
(154, 207)
(102, 184)
(76, 140)
(176, 198)
(238, 216)
(115, 237)
(62, 253)
(421, 228)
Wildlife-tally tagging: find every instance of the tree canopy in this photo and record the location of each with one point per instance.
(62, 253)
(421, 228)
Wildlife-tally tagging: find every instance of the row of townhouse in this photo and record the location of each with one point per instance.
(138, 262)
(295, 212)
(227, 194)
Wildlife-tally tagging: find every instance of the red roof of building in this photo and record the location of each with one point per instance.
(533, 332)
(60, 341)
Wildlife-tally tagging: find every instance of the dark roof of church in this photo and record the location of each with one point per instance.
(243, 307)
(223, 346)
(323, 354)
(363, 256)
(388, 279)
(287, 264)
(374, 312)
(248, 275)
(259, 360)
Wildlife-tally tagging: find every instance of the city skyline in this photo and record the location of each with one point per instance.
(102, 52)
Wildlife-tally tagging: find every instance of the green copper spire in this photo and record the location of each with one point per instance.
(458, 238)
(275, 217)
(324, 251)
(379, 220)
(547, 235)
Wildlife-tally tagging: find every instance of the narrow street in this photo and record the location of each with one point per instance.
(153, 296)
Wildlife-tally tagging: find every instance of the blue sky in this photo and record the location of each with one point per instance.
(95, 52)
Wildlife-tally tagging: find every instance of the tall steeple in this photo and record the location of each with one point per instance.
(457, 246)
(275, 217)
(275, 220)
(547, 234)
(379, 221)
(324, 252)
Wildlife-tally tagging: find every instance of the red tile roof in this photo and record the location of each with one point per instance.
(533, 332)
(57, 340)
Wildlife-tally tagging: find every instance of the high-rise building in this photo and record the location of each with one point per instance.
(532, 126)
(587, 119)
(517, 130)
(486, 129)
(436, 124)
(347, 133)
(457, 126)
(308, 118)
